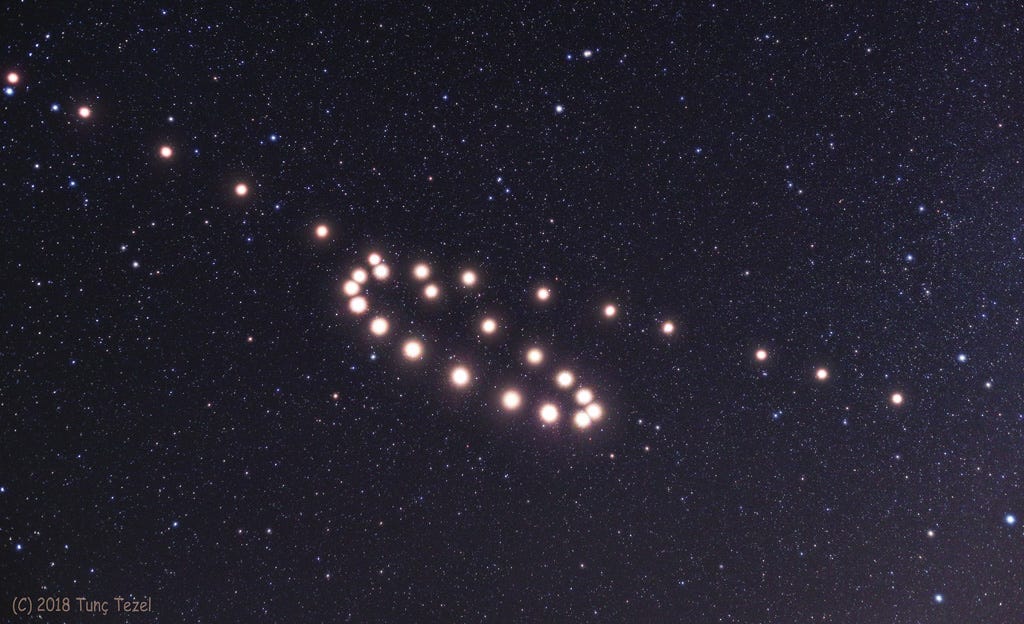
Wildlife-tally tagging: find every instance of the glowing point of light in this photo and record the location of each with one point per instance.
(13, 78)
(548, 413)
(581, 419)
(595, 411)
(360, 276)
(84, 112)
(896, 398)
(350, 288)
(668, 327)
(412, 349)
(421, 272)
(469, 278)
(543, 293)
(166, 152)
(488, 326)
(584, 396)
(610, 310)
(511, 400)
(322, 231)
(460, 376)
(761, 355)
(821, 374)
(381, 271)
(565, 379)
(431, 291)
(241, 189)
(379, 326)
(1010, 519)
(374, 259)
(939, 598)
(358, 305)
(534, 356)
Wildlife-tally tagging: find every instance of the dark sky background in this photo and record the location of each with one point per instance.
(840, 185)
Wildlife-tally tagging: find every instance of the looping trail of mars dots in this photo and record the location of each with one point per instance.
(585, 407)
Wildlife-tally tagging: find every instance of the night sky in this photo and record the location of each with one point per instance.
(824, 201)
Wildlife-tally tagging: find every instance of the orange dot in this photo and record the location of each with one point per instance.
(488, 326)
(421, 271)
(322, 231)
(241, 189)
(543, 293)
(13, 78)
(610, 310)
(469, 278)
(821, 374)
(431, 291)
(460, 376)
(412, 349)
(548, 413)
(761, 355)
(166, 152)
(511, 400)
(565, 378)
(358, 305)
(534, 356)
(896, 398)
(584, 396)
(84, 112)
(379, 326)
(350, 288)
(668, 327)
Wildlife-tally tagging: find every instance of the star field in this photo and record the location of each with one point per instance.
(696, 312)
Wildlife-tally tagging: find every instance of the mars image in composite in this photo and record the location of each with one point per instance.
(510, 312)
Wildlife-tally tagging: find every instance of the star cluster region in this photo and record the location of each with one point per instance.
(823, 201)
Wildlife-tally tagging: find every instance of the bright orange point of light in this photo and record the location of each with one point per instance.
(358, 305)
(584, 396)
(668, 327)
(374, 259)
(821, 374)
(610, 310)
(13, 78)
(84, 112)
(548, 413)
(595, 411)
(379, 326)
(381, 272)
(350, 288)
(511, 400)
(543, 293)
(166, 152)
(534, 356)
(360, 275)
(412, 349)
(469, 278)
(241, 189)
(564, 379)
(488, 326)
(322, 231)
(431, 291)
(460, 376)
(421, 271)
(896, 398)
(761, 355)
(581, 419)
